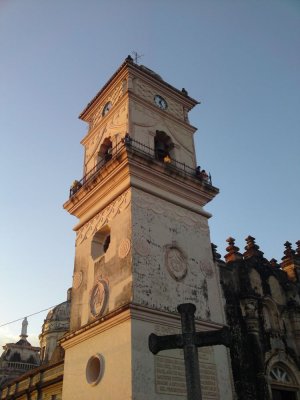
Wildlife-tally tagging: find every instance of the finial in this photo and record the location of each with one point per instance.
(216, 255)
(24, 329)
(288, 252)
(252, 249)
(289, 262)
(274, 264)
(233, 251)
(298, 247)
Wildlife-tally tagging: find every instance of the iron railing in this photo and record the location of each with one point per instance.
(134, 147)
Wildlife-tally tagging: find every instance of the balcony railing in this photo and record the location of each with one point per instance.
(134, 147)
(18, 365)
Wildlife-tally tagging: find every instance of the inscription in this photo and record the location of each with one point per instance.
(170, 375)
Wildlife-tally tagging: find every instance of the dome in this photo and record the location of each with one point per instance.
(58, 318)
(56, 324)
(61, 312)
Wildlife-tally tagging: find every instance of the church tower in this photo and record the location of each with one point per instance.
(142, 246)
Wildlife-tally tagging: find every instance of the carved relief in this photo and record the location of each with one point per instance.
(207, 269)
(256, 281)
(77, 279)
(276, 291)
(175, 262)
(113, 98)
(98, 298)
(94, 144)
(103, 217)
(124, 248)
(142, 247)
(114, 125)
(161, 207)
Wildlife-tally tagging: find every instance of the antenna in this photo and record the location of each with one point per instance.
(136, 56)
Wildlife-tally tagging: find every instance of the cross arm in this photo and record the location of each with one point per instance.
(168, 342)
(212, 338)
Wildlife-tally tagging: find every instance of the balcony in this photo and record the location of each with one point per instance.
(16, 365)
(136, 148)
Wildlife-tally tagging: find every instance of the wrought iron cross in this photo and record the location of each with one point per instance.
(136, 56)
(189, 341)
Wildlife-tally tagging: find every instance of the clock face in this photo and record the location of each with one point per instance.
(160, 102)
(106, 108)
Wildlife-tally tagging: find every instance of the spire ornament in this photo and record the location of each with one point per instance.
(252, 249)
(233, 251)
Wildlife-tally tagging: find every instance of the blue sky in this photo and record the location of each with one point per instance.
(241, 59)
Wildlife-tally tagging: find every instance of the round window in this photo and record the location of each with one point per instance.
(94, 369)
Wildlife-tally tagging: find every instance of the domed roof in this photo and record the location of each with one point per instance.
(58, 319)
(61, 312)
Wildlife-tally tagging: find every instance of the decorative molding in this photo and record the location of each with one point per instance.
(116, 122)
(124, 248)
(103, 217)
(162, 207)
(113, 97)
(124, 314)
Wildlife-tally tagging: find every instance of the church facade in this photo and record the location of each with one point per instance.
(142, 248)
(262, 305)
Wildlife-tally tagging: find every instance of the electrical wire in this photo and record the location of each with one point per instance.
(30, 315)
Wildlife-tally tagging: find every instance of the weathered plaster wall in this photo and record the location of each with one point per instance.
(172, 258)
(113, 268)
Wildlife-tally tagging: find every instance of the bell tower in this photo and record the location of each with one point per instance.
(142, 243)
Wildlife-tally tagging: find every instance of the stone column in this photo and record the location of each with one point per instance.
(254, 343)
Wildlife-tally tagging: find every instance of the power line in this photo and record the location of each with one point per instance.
(30, 315)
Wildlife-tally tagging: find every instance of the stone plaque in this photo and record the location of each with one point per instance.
(170, 375)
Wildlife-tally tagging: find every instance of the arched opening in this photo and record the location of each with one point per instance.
(283, 384)
(163, 146)
(100, 243)
(105, 152)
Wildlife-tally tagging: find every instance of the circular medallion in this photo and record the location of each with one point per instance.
(142, 247)
(99, 297)
(176, 263)
(77, 279)
(124, 248)
(206, 269)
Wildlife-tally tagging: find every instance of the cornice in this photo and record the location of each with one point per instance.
(156, 178)
(127, 313)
